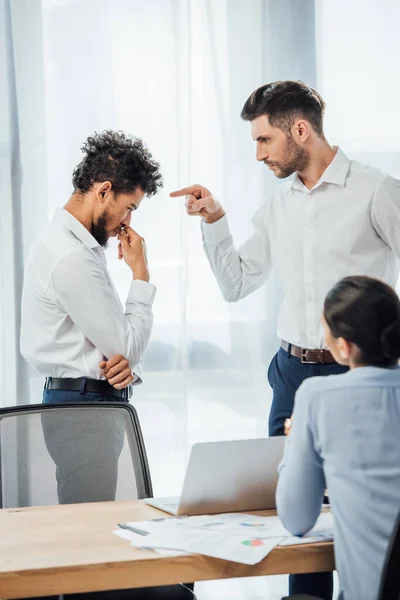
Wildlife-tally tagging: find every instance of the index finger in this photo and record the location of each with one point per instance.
(131, 233)
(186, 191)
(126, 236)
(114, 360)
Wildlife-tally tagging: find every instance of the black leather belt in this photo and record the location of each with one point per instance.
(309, 356)
(84, 385)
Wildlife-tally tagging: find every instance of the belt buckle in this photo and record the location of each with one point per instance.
(304, 359)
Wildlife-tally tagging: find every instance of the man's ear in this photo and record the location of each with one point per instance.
(103, 189)
(301, 130)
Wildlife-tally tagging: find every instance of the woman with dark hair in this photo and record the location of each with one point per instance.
(345, 435)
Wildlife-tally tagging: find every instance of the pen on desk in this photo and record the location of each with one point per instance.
(133, 529)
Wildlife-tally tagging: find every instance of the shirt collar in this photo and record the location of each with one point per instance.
(70, 222)
(335, 172)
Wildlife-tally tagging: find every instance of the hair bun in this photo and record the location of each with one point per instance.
(391, 340)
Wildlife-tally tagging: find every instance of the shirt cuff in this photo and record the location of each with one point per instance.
(215, 233)
(143, 292)
(137, 380)
(137, 374)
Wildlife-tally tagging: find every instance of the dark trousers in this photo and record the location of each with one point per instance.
(285, 374)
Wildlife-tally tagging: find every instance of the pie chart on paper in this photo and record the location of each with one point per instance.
(253, 543)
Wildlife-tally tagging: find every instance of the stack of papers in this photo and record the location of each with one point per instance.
(235, 537)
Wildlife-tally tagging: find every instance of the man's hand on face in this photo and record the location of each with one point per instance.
(132, 249)
(117, 371)
(200, 203)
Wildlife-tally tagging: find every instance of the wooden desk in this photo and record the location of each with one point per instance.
(71, 548)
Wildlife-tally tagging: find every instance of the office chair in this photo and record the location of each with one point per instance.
(389, 587)
(76, 452)
(45, 447)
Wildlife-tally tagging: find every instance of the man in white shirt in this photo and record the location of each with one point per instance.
(336, 217)
(74, 329)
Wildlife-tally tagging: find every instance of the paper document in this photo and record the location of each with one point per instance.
(134, 539)
(240, 524)
(233, 536)
(243, 549)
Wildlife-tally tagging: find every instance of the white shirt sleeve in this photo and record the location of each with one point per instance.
(301, 483)
(238, 272)
(81, 289)
(385, 213)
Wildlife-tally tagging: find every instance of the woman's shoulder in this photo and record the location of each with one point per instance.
(354, 378)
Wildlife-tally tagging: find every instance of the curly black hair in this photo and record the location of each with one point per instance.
(119, 158)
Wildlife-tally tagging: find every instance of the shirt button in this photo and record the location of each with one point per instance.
(308, 266)
(308, 230)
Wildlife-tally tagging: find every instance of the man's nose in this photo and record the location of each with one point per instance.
(261, 153)
(127, 221)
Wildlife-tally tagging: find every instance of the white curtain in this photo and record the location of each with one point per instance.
(176, 73)
(23, 197)
(358, 50)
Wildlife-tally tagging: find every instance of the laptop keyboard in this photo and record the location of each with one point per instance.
(172, 502)
(172, 506)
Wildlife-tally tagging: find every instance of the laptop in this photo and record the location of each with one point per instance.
(231, 476)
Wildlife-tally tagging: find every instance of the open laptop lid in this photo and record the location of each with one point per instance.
(231, 476)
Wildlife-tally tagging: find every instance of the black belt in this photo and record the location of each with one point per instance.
(309, 356)
(84, 385)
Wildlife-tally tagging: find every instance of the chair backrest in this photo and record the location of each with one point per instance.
(75, 452)
(389, 588)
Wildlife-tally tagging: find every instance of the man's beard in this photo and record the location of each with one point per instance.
(99, 230)
(297, 160)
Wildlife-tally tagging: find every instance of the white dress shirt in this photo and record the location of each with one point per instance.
(72, 317)
(347, 224)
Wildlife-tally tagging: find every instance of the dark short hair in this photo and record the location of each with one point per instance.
(366, 312)
(282, 101)
(119, 158)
